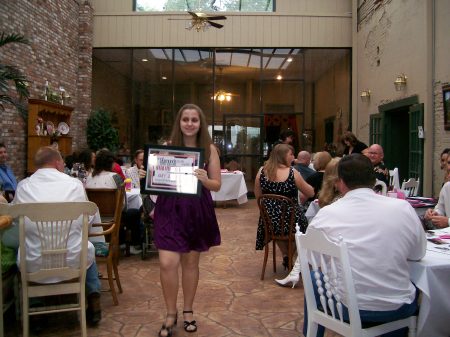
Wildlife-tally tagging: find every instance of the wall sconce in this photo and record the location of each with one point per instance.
(400, 82)
(365, 95)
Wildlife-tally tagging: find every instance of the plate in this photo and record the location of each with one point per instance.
(50, 128)
(63, 128)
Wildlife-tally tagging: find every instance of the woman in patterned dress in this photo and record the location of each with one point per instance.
(277, 176)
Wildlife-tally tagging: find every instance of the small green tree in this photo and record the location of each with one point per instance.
(100, 132)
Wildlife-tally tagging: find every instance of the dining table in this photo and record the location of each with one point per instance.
(233, 187)
(432, 276)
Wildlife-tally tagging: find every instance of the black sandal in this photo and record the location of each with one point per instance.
(168, 329)
(192, 324)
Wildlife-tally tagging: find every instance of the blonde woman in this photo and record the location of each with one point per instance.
(277, 176)
(327, 195)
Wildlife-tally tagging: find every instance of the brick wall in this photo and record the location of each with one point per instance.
(60, 51)
(442, 139)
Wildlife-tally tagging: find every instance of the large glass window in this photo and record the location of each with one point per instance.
(205, 5)
(249, 95)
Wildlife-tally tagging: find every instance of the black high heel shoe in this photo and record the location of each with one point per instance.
(190, 326)
(285, 262)
(168, 329)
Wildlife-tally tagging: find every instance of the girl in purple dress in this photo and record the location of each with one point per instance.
(186, 226)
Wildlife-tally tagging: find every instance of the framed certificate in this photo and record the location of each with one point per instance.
(170, 170)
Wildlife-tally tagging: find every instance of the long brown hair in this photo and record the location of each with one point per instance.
(328, 191)
(203, 138)
(277, 157)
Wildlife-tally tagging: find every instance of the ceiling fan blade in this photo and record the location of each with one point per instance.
(218, 17)
(214, 24)
(194, 14)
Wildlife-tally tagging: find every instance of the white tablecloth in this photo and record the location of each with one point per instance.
(233, 187)
(134, 199)
(432, 276)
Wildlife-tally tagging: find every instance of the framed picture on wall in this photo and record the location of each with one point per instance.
(446, 102)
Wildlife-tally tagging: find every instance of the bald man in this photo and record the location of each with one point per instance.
(302, 164)
(50, 184)
(376, 156)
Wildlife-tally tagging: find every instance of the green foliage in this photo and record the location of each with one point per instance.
(100, 132)
(10, 73)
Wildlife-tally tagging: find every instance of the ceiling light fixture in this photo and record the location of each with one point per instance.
(222, 96)
(400, 82)
(279, 77)
(289, 59)
(144, 60)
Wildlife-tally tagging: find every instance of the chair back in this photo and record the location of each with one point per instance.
(326, 264)
(110, 204)
(51, 225)
(380, 187)
(411, 187)
(267, 203)
(394, 180)
(270, 204)
(105, 199)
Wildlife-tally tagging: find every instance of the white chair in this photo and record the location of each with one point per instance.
(50, 224)
(411, 187)
(380, 186)
(331, 259)
(394, 180)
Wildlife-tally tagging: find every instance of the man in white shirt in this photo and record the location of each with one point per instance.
(50, 184)
(382, 234)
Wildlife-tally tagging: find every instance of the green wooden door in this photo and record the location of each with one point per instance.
(376, 129)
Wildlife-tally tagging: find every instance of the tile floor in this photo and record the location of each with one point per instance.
(231, 299)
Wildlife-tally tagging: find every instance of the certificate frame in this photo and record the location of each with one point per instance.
(170, 170)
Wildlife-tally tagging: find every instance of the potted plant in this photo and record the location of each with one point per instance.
(100, 131)
(9, 73)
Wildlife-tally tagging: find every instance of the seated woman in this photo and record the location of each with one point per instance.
(103, 177)
(327, 195)
(321, 159)
(277, 176)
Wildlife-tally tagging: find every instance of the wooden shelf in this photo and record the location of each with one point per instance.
(49, 112)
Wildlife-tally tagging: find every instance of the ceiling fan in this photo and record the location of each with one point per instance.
(202, 21)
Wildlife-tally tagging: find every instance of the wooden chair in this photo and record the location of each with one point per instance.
(321, 256)
(287, 216)
(411, 187)
(394, 180)
(51, 225)
(110, 204)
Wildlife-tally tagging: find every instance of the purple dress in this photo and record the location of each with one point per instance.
(185, 223)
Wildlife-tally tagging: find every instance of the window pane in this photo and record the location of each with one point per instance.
(205, 5)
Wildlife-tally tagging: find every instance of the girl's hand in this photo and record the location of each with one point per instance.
(201, 175)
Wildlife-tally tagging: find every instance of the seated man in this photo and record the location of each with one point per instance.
(8, 181)
(378, 246)
(50, 184)
(440, 215)
(376, 156)
(302, 164)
